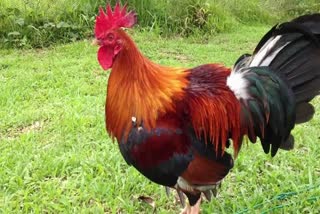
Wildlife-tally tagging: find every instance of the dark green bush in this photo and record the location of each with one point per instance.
(41, 23)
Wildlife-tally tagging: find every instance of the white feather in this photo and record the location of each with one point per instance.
(238, 84)
(185, 185)
(259, 60)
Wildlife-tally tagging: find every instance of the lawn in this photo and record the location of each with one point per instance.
(55, 156)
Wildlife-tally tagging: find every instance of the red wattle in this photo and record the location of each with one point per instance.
(105, 57)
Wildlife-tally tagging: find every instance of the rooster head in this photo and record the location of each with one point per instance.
(107, 35)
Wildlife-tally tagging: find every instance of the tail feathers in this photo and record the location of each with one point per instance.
(304, 112)
(292, 50)
(278, 81)
(288, 144)
(310, 21)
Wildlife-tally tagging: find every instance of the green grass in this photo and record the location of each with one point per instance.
(55, 156)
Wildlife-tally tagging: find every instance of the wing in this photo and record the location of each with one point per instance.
(207, 167)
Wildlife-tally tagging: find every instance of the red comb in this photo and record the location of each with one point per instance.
(114, 19)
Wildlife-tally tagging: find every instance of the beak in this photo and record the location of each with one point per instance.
(95, 42)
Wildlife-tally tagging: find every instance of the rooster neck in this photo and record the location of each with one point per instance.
(139, 88)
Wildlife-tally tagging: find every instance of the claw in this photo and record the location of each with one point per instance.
(167, 191)
(181, 198)
(215, 190)
(208, 195)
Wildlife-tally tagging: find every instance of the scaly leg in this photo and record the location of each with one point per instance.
(195, 209)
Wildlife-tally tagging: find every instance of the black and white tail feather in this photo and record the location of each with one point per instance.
(276, 83)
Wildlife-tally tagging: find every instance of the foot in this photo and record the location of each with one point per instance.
(195, 209)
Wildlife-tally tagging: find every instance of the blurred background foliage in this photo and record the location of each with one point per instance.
(42, 23)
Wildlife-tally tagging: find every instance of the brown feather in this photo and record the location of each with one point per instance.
(203, 171)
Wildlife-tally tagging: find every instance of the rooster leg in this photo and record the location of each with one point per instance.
(167, 191)
(195, 209)
(182, 199)
(186, 209)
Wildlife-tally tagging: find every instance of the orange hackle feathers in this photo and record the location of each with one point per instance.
(140, 88)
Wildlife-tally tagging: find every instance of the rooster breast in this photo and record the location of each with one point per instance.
(161, 154)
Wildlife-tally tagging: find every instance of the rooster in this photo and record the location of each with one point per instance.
(174, 124)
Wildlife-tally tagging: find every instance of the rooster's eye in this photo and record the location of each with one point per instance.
(110, 37)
